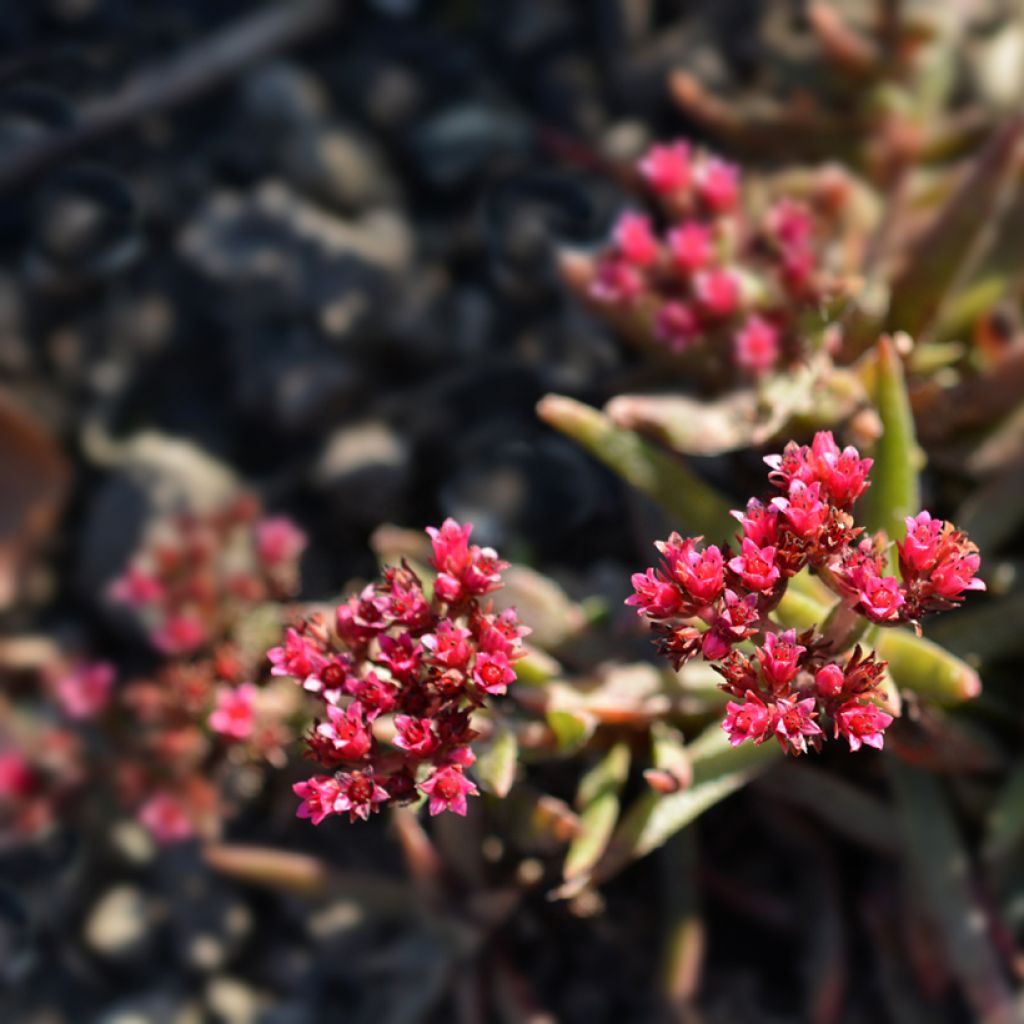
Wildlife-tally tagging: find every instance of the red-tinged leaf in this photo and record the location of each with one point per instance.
(943, 256)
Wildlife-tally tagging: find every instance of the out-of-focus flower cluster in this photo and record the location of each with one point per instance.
(173, 743)
(707, 272)
(399, 675)
(716, 601)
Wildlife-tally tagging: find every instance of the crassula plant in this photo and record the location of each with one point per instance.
(716, 602)
(398, 675)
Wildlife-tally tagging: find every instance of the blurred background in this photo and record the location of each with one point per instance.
(309, 252)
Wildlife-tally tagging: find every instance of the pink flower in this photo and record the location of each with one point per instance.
(408, 606)
(330, 679)
(830, 680)
(880, 597)
(790, 221)
(484, 572)
(747, 721)
(463, 571)
(691, 246)
(415, 735)
(83, 691)
(451, 547)
(756, 567)
(733, 624)
(794, 722)
(718, 291)
(757, 346)
(616, 280)
(449, 645)
(235, 712)
(920, 548)
(804, 510)
(797, 267)
(298, 657)
(793, 464)
(677, 326)
(136, 588)
(447, 789)
(759, 522)
(701, 573)
(165, 817)
(17, 779)
(319, 796)
(955, 574)
(843, 474)
(359, 794)
(666, 168)
(654, 596)
(179, 634)
(862, 723)
(344, 734)
(401, 655)
(492, 673)
(779, 659)
(279, 541)
(350, 619)
(718, 184)
(375, 697)
(635, 240)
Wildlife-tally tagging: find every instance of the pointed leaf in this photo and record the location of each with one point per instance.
(572, 729)
(894, 493)
(938, 863)
(718, 771)
(943, 256)
(598, 802)
(915, 663)
(687, 500)
(496, 766)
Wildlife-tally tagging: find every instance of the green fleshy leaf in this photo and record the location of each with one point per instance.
(496, 765)
(915, 663)
(598, 803)
(894, 493)
(687, 500)
(718, 771)
(572, 729)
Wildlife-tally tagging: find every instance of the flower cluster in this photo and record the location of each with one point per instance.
(708, 600)
(192, 577)
(399, 675)
(717, 277)
(167, 745)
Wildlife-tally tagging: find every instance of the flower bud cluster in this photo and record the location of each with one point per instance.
(399, 675)
(709, 600)
(713, 275)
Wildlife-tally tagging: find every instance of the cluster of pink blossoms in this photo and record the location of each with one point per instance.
(708, 600)
(714, 277)
(399, 677)
(166, 744)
